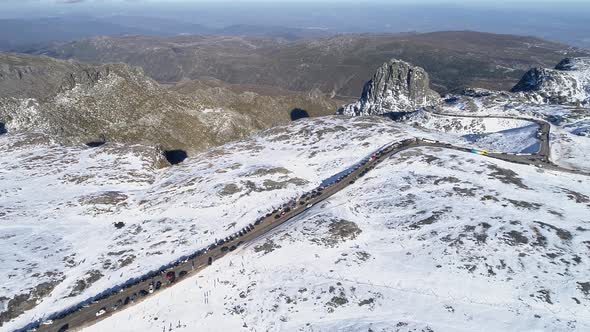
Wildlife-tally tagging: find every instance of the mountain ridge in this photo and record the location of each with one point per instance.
(81, 103)
(337, 65)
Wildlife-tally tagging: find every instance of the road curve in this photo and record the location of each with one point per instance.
(85, 313)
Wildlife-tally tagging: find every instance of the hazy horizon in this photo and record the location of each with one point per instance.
(564, 22)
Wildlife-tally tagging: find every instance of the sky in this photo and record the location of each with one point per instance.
(56, 7)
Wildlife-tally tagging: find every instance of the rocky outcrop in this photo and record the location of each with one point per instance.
(568, 83)
(81, 103)
(397, 86)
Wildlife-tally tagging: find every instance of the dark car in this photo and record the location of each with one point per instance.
(127, 300)
(277, 216)
(117, 304)
(171, 276)
(143, 292)
(257, 222)
(182, 274)
(158, 285)
(224, 249)
(64, 328)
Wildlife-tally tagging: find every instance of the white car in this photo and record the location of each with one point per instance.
(47, 322)
(309, 205)
(101, 312)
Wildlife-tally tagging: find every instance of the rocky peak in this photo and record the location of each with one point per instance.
(42, 78)
(568, 83)
(397, 86)
(573, 64)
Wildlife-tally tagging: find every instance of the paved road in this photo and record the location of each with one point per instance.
(87, 315)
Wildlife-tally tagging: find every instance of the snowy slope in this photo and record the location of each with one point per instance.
(431, 240)
(570, 126)
(493, 134)
(60, 204)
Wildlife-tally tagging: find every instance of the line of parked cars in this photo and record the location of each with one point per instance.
(168, 274)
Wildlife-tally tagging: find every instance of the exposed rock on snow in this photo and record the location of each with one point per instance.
(568, 83)
(397, 86)
(545, 94)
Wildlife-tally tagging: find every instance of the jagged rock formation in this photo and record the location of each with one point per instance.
(397, 86)
(568, 83)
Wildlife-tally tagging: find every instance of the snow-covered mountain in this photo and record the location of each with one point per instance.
(397, 86)
(433, 239)
(561, 104)
(568, 83)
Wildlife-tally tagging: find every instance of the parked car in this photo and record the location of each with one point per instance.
(117, 304)
(101, 312)
(171, 276)
(182, 274)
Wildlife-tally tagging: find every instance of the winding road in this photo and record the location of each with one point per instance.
(85, 314)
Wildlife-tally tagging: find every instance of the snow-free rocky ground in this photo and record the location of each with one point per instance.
(431, 239)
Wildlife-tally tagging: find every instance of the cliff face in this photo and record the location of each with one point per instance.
(397, 86)
(568, 83)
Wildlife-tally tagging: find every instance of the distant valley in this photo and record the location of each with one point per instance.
(338, 66)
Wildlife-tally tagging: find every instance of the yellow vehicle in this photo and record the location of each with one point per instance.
(480, 152)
